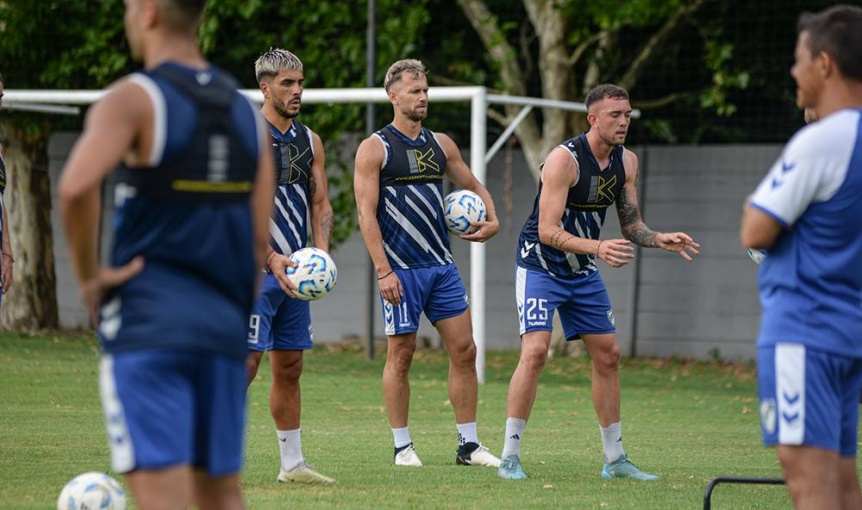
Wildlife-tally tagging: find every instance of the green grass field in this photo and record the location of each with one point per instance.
(687, 422)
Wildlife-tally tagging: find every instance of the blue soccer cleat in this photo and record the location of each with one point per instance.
(624, 468)
(510, 468)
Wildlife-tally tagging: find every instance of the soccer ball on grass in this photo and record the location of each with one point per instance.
(314, 275)
(92, 491)
(462, 207)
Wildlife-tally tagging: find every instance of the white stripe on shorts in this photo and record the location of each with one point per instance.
(389, 317)
(119, 441)
(790, 392)
(520, 291)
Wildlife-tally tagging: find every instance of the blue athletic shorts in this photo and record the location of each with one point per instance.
(279, 322)
(808, 397)
(583, 304)
(437, 291)
(167, 408)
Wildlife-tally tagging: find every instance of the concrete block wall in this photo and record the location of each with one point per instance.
(663, 305)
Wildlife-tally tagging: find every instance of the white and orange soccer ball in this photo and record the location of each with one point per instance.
(461, 208)
(315, 273)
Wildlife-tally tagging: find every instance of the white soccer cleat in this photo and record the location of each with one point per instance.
(407, 457)
(303, 473)
(474, 454)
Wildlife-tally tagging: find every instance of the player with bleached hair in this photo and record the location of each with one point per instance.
(280, 324)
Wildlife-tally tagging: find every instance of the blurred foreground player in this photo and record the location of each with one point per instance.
(194, 195)
(807, 213)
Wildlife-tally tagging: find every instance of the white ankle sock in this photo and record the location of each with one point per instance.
(401, 436)
(612, 442)
(467, 433)
(290, 448)
(514, 432)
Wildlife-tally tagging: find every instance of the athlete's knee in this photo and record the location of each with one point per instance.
(288, 370)
(533, 356)
(802, 487)
(607, 364)
(400, 358)
(250, 373)
(806, 474)
(607, 359)
(252, 363)
(848, 481)
(463, 353)
(221, 493)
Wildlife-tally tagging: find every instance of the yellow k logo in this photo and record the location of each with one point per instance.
(296, 171)
(424, 161)
(604, 187)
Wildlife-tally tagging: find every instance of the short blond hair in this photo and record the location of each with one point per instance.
(273, 61)
(411, 66)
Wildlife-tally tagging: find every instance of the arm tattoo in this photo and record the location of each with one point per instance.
(312, 185)
(555, 239)
(643, 237)
(326, 224)
(631, 224)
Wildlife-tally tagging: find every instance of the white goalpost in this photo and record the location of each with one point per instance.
(477, 96)
(479, 100)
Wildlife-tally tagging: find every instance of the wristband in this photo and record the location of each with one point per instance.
(269, 258)
(599, 247)
(387, 274)
(10, 257)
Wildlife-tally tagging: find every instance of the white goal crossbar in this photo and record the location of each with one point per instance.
(479, 156)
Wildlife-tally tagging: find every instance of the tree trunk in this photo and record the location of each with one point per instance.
(512, 76)
(32, 300)
(557, 84)
(558, 76)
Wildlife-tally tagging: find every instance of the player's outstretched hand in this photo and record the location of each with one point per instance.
(486, 230)
(678, 242)
(615, 252)
(278, 265)
(94, 290)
